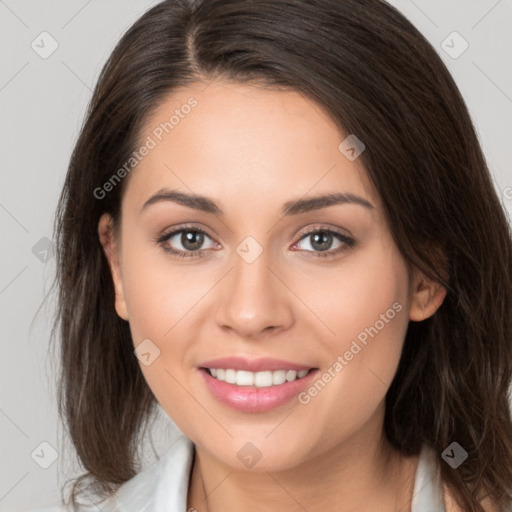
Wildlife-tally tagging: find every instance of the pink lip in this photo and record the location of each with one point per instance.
(253, 365)
(253, 399)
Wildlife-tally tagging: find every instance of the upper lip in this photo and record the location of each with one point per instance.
(253, 365)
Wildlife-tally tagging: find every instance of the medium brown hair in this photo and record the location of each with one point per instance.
(378, 78)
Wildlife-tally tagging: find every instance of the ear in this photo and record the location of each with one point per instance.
(111, 249)
(427, 296)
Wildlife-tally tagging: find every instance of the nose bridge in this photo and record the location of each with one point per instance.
(253, 298)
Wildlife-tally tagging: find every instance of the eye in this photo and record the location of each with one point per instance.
(191, 240)
(321, 241)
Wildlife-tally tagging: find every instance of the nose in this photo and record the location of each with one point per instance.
(254, 299)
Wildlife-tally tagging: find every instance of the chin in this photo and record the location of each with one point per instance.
(260, 453)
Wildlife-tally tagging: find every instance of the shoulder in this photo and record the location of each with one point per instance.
(165, 481)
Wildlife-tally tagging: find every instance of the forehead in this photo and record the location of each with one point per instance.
(244, 143)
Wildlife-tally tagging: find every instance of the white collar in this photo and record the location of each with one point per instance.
(427, 495)
(163, 487)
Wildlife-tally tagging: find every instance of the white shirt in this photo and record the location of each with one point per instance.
(163, 487)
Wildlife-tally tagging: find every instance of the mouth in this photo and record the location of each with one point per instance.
(261, 379)
(255, 386)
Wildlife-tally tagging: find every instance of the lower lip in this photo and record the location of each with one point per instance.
(253, 399)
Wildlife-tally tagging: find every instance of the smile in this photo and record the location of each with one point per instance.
(261, 379)
(255, 392)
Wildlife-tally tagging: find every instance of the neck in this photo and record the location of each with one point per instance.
(362, 473)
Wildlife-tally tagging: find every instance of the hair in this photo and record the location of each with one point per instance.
(378, 78)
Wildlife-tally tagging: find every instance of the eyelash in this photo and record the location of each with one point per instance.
(349, 242)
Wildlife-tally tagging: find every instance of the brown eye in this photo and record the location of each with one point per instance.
(321, 242)
(185, 242)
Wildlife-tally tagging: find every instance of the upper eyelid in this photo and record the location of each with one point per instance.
(320, 227)
(166, 234)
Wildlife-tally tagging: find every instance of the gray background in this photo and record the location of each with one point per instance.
(43, 104)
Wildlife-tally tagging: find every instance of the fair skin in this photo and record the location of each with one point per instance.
(251, 150)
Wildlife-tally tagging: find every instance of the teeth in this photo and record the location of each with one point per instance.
(263, 379)
(278, 377)
(259, 379)
(230, 376)
(291, 375)
(243, 378)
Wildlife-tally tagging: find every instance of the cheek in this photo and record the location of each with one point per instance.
(165, 301)
(380, 318)
(160, 295)
(363, 306)
(368, 298)
(162, 299)
(367, 308)
(351, 298)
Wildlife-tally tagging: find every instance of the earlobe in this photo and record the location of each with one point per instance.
(111, 250)
(427, 297)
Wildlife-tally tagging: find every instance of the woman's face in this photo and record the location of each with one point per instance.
(255, 286)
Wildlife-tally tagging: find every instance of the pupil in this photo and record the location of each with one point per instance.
(192, 240)
(321, 241)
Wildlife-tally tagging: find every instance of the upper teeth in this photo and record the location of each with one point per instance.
(258, 379)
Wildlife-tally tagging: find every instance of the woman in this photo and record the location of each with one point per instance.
(278, 225)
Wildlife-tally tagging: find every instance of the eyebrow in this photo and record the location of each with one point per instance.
(208, 205)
